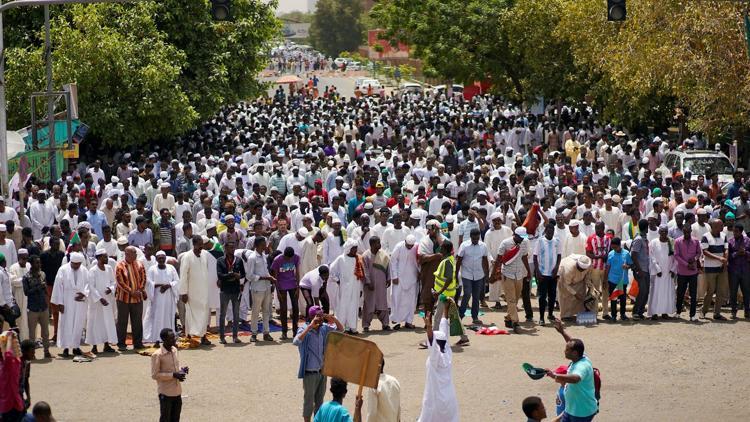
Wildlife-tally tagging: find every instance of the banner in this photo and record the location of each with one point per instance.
(38, 164)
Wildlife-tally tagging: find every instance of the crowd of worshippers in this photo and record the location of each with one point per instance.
(372, 208)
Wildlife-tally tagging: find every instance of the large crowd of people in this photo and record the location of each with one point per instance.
(370, 208)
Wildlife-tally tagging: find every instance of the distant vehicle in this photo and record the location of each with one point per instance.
(353, 65)
(374, 83)
(698, 163)
(410, 87)
(358, 81)
(457, 88)
(341, 61)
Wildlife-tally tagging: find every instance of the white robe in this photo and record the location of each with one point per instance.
(662, 296)
(162, 306)
(383, 404)
(9, 251)
(574, 245)
(194, 282)
(404, 294)
(349, 290)
(332, 248)
(68, 283)
(16, 273)
(439, 403)
(214, 292)
(393, 236)
(100, 323)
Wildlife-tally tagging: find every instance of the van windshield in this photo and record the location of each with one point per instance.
(707, 165)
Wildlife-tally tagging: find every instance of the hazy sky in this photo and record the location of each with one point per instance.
(289, 5)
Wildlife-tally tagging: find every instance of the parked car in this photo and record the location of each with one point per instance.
(698, 163)
(353, 65)
(374, 83)
(358, 81)
(340, 62)
(409, 87)
(457, 88)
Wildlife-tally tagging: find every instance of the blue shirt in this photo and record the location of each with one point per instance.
(615, 261)
(97, 221)
(547, 251)
(332, 411)
(311, 348)
(580, 398)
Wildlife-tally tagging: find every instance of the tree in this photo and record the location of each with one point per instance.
(297, 16)
(336, 26)
(127, 74)
(145, 71)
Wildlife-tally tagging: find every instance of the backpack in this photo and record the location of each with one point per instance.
(597, 385)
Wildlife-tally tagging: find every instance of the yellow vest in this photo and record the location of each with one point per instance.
(441, 278)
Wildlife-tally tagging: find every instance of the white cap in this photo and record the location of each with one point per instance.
(410, 239)
(521, 231)
(23, 251)
(302, 232)
(496, 215)
(583, 262)
(441, 186)
(574, 223)
(101, 251)
(122, 240)
(432, 223)
(77, 257)
(161, 253)
(450, 218)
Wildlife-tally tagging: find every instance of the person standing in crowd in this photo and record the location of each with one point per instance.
(661, 300)
(162, 281)
(16, 273)
(439, 402)
(547, 263)
(35, 289)
(260, 285)
(597, 249)
(581, 403)
(513, 266)
(687, 256)
(739, 271)
(231, 274)
(100, 319)
(130, 292)
(194, 290)
(166, 371)
(376, 263)
(429, 257)
(716, 251)
(383, 403)
(639, 251)
(285, 269)
(619, 262)
(311, 340)
(404, 279)
(51, 261)
(349, 273)
(533, 408)
(69, 294)
(473, 266)
(334, 409)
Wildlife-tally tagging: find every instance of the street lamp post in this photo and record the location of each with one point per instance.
(3, 105)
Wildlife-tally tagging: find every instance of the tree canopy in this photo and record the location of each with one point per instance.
(336, 26)
(145, 71)
(666, 53)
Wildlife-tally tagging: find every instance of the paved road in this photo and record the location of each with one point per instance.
(343, 83)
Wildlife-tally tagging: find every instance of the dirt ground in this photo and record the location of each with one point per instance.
(651, 371)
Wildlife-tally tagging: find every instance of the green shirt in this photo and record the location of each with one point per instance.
(580, 398)
(332, 411)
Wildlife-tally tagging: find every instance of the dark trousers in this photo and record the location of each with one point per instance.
(170, 408)
(135, 312)
(474, 290)
(644, 285)
(13, 415)
(685, 282)
(546, 289)
(224, 299)
(283, 309)
(622, 299)
(310, 300)
(526, 298)
(739, 280)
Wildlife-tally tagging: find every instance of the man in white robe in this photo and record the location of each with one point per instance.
(16, 273)
(7, 247)
(42, 215)
(162, 281)
(100, 290)
(394, 234)
(194, 290)
(343, 271)
(439, 403)
(662, 299)
(575, 242)
(384, 403)
(404, 275)
(69, 294)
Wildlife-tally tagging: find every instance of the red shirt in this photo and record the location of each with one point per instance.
(599, 246)
(322, 193)
(10, 384)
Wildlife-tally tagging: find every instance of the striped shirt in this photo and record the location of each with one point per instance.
(130, 279)
(599, 246)
(716, 246)
(546, 252)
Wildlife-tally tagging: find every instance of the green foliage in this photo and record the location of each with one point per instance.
(297, 17)
(336, 26)
(145, 71)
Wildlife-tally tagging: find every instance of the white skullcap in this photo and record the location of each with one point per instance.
(161, 253)
(302, 231)
(76, 257)
(410, 239)
(101, 251)
(23, 251)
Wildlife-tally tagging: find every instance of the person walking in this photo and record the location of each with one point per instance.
(581, 404)
(473, 266)
(130, 292)
(311, 340)
(166, 371)
(513, 266)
